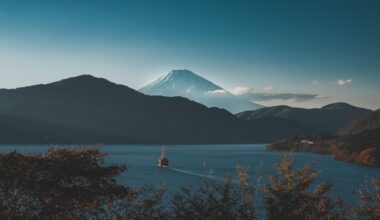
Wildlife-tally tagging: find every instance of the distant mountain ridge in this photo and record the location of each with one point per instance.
(369, 121)
(328, 119)
(86, 109)
(194, 87)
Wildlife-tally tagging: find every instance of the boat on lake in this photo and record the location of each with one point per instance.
(164, 160)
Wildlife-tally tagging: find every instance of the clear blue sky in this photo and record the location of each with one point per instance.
(285, 45)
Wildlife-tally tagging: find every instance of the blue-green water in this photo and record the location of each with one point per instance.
(190, 163)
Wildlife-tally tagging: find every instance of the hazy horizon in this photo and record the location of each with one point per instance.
(265, 104)
(327, 50)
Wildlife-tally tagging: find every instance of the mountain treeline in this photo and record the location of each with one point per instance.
(90, 110)
(77, 184)
(357, 142)
(328, 119)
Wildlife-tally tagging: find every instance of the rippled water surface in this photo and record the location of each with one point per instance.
(189, 164)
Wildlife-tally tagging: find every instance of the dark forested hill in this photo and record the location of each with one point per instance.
(86, 109)
(366, 122)
(328, 119)
(357, 142)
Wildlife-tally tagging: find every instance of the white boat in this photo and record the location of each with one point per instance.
(164, 160)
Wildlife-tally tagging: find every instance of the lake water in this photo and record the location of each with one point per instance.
(189, 164)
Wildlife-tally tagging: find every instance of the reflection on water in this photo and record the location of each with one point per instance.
(204, 175)
(190, 163)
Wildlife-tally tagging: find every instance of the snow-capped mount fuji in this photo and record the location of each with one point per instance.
(182, 81)
(187, 84)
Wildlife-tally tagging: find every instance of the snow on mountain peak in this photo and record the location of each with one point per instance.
(182, 82)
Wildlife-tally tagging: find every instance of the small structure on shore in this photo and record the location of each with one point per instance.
(306, 141)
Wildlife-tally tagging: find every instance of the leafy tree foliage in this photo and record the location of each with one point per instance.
(63, 184)
(227, 199)
(77, 184)
(369, 206)
(145, 203)
(287, 196)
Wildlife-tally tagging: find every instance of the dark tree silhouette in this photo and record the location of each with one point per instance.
(70, 184)
(287, 196)
(77, 184)
(227, 199)
(369, 206)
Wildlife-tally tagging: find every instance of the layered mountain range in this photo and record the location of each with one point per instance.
(86, 109)
(326, 120)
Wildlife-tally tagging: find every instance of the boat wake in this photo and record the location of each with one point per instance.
(196, 174)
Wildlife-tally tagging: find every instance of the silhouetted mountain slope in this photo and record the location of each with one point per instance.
(357, 142)
(86, 109)
(339, 106)
(328, 119)
(362, 148)
(187, 84)
(26, 131)
(366, 122)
